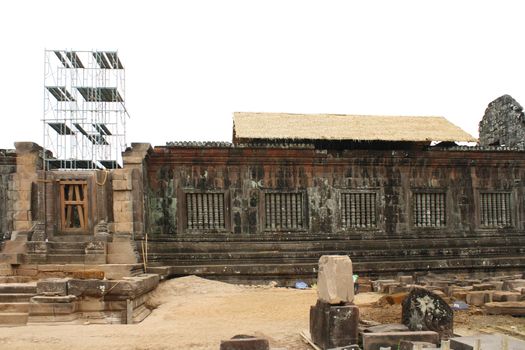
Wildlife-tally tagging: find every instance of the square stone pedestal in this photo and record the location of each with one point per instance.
(333, 326)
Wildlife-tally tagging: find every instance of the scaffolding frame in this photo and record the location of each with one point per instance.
(84, 121)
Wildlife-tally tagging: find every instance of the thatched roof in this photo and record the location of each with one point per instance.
(338, 127)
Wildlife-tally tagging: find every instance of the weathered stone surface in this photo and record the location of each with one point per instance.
(513, 284)
(483, 286)
(503, 124)
(335, 283)
(87, 274)
(374, 341)
(514, 308)
(52, 286)
(406, 279)
(424, 310)
(389, 327)
(334, 326)
(88, 287)
(478, 298)
(506, 296)
(53, 299)
(487, 341)
(245, 344)
(413, 345)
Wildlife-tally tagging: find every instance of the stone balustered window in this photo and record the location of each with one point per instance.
(284, 211)
(495, 209)
(429, 209)
(205, 211)
(73, 205)
(359, 210)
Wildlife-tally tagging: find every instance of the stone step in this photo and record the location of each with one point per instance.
(63, 251)
(298, 256)
(13, 318)
(15, 297)
(14, 307)
(15, 279)
(309, 270)
(65, 258)
(71, 238)
(73, 245)
(327, 245)
(20, 288)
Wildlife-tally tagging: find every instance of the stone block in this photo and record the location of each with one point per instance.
(53, 299)
(123, 226)
(374, 341)
(95, 259)
(245, 344)
(487, 341)
(88, 287)
(413, 345)
(87, 274)
(334, 326)
(52, 286)
(11, 258)
(335, 282)
(115, 271)
(378, 285)
(122, 185)
(388, 327)
(483, 286)
(506, 296)
(513, 284)
(120, 174)
(121, 196)
(478, 298)
(406, 279)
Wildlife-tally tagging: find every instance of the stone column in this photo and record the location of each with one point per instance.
(128, 204)
(28, 162)
(135, 164)
(334, 319)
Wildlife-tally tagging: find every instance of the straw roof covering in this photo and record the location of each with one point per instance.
(338, 127)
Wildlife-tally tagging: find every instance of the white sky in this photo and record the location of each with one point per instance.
(191, 64)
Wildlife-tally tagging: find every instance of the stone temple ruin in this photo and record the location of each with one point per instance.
(398, 195)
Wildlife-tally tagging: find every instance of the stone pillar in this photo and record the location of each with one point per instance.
(134, 159)
(23, 184)
(128, 204)
(334, 319)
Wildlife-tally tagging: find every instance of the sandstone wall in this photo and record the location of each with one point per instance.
(245, 174)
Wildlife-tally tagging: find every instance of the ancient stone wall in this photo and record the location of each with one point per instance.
(7, 168)
(374, 193)
(503, 124)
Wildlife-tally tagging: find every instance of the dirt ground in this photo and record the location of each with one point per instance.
(194, 313)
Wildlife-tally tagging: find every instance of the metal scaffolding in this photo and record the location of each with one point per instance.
(84, 109)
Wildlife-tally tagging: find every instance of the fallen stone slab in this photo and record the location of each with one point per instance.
(513, 284)
(384, 328)
(479, 298)
(248, 343)
(483, 286)
(335, 282)
(487, 341)
(379, 285)
(423, 310)
(514, 308)
(374, 341)
(506, 296)
(413, 345)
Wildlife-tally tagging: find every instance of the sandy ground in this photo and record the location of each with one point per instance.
(193, 313)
